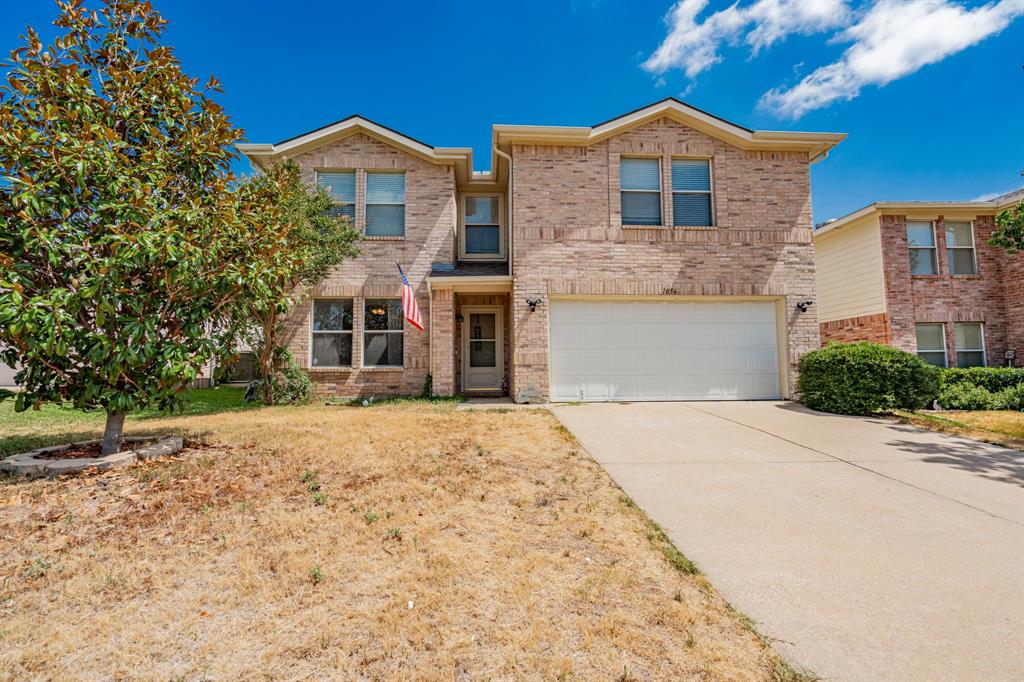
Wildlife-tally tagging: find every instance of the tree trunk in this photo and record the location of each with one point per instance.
(113, 433)
(266, 357)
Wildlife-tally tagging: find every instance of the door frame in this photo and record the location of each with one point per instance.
(499, 344)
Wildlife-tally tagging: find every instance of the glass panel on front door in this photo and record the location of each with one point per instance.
(482, 334)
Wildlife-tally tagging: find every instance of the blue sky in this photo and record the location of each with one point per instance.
(444, 72)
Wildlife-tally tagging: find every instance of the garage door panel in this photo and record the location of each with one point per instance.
(663, 350)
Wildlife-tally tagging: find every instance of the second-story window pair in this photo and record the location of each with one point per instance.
(385, 199)
(640, 192)
(960, 258)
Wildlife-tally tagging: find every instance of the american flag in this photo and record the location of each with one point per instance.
(412, 311)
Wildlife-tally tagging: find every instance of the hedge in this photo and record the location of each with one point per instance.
(982, 388)
(864, 378)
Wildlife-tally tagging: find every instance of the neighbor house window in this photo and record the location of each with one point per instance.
(691, 193)
(331, 330)
(931, 343)
(383, 326)
(969, 343)
(342, 186)
(921, 240)
(482, 227)
(640, 185)
(960, 248)
(385, 204)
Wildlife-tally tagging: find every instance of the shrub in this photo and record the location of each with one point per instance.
(863, 378)
(994, 379)
(962, 395)
(1013, 398)
(289, 384)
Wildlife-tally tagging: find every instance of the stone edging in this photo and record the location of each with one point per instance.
(32, 463)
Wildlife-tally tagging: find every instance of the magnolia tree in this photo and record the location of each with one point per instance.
(120, 252)
(297, 242)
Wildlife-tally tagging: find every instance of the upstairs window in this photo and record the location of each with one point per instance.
(640, 185)
(691, 193)
(331, 329)
(342, 186)
(385, 204)
(960, 248)
(482, 227)
(969, 343)
(931, 343)
(921, 240)
(383, 331)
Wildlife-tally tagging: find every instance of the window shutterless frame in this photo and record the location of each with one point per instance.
(959, 330)
(930, 353)
(954, 264)
(922, 257)
(383, 333)
(636, 190)
(689, 186)
(341, 183)
(465, 250)
(331, 323)
(384, 199)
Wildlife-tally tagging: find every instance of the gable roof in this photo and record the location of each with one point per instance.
(994, 205)
(817, 145)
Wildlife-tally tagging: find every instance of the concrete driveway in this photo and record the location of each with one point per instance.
(865, 550)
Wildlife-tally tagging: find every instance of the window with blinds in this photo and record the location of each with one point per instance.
(482, 226)
(960, 255)
(385, 204)
(691, 193)
(342, 186)
(640, 191)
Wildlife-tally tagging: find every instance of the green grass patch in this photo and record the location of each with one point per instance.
(52, 424)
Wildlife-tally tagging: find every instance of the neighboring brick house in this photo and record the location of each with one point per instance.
(660, 255)
(921, 276)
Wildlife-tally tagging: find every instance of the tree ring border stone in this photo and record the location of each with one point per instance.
(34, 463)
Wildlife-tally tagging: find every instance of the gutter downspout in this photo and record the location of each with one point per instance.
(508, 202)
(430, 336)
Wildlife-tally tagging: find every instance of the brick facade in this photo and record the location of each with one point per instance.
(569, 239)
(989, 297)
(873, 328)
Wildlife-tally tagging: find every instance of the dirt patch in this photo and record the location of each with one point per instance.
(88, 450)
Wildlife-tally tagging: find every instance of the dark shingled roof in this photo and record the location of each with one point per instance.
(465, 269)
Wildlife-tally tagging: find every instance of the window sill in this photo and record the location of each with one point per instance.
(382, 369)
(695, 228)
(966, 276)
(383, 238)
(347, 368)
(324, 370)
(927, 276)
(644, 227)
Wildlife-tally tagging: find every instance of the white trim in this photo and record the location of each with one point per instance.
(502, 254)
(945, 348)
(499, 343)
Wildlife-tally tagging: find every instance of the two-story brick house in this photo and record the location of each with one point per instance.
(665, 254)
(921, 276)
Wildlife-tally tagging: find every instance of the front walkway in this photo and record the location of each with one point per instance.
(864, 549)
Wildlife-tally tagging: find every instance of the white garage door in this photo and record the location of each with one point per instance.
(602, 350)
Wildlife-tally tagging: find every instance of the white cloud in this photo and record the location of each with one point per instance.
(893, 39)
(693, 44)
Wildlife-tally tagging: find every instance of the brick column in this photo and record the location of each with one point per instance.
(442, 340)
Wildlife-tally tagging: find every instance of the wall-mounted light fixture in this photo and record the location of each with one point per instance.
(533, 303)
(802, 306)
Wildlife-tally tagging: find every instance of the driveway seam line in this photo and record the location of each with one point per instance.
(856, 466)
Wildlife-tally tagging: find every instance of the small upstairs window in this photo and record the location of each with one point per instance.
(921, 241)
(342, 186)
(482, 233)
(960, 248)
(691, 193)
(640, 191)
(385, 204)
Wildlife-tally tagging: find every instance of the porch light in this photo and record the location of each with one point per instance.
(377, 311)
(802, 306)
(533, 303)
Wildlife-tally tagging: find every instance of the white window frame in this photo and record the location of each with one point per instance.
(973, 250)
(502, 236)
(350, 332)
(981, 333)
(710, 191)
(367, 172)
(366, 302)
(660, 190)
(934, 248)
(945, 349)
(355, 187)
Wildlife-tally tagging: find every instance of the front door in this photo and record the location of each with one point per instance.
(481, 353)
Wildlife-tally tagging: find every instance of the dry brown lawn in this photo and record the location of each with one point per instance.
(391, 542)
(1001, 427)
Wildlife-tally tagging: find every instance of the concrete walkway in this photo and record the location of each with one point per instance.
(864, 549)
